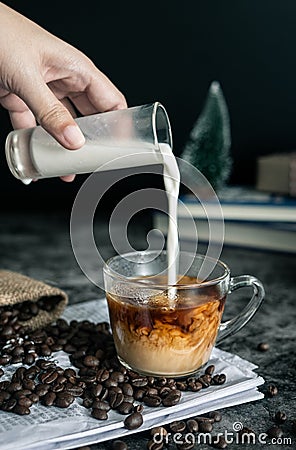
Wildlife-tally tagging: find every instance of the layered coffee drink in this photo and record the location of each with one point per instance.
(154, 335)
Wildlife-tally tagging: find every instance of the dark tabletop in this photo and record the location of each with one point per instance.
(38, 245)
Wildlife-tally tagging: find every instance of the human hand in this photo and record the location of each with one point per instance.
(42, 77)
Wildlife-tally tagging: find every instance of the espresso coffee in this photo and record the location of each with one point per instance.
(156, 338)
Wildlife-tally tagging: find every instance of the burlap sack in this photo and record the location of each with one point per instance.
(16, 288)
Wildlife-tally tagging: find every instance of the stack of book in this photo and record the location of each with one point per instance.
(252, 219)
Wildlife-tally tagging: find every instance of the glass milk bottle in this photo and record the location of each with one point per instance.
(136, 133)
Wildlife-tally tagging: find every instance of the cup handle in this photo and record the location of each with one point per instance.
(232, 326)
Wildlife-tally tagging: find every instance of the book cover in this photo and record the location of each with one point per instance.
(241, 203)
(275, 236)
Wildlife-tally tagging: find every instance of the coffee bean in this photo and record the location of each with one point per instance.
(100, 404)
(102, 375)
(275, 432)
(32, 372)
(139, 382)
(16, 359)
(115, 399)
(4, 396)
(210, 369)
(192, 426)
(219, 379)
(133, 421)
(195, 386)
(22, 393)
(164, 391)
(58, 388)
(34, 397)
(21, 410)
(205, 427)
(128, 399)
(48, 377)
(246, 435)
(91, 361)
(69, 373)
(280, 417)
(181, 385)
(119, 445)
(153, 391)
(188, 443)
(104, 393)
(7, 331)
(63, 380)
(127, 389)
(49, 399)
(45, 350)
(215, 415)
(177, 426)
(172, 399)
(139, 394)
(43, 364)
(263, 347)
(9, 404)
(18, 351)
(4, 385)
(42, 389)
(76, 391)
(63, 400)
(25, 401)
(125, 408)
(110, 383)
(152, 445)
(205, 380)
(219, 442)
(272, 390)
(5, 359)
(100, 414)
(159, 432)
(117, 376)
(152, 400)
(14, 387)
(29, 359)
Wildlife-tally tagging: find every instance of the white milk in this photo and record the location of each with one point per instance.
(171, 177)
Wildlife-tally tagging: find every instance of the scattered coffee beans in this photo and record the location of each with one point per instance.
(263, 347)
(133, 421)
(246, 435)
(272, 390)
(97, 377)
(280, 417)
(275, 432)
(119, 445)
(219, 442)
(215, 415)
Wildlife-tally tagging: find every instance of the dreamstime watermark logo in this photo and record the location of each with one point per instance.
(239, 435)
(89, 255)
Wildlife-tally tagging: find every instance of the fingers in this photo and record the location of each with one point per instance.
(68, 178)
(53, 116)
(99, 95)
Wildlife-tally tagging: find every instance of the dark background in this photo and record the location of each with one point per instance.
(171, 51)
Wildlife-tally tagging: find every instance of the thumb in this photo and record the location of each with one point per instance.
(52, 115)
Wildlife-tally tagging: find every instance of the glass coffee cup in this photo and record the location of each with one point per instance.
(160, 334)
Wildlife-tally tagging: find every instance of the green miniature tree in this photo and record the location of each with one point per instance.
(208, 147)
